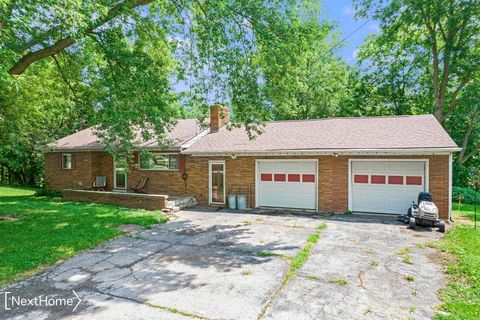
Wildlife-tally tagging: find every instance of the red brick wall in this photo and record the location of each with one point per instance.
(145, 201)
(160, 182)
(80, 176)
(102, 165)
(332, 177)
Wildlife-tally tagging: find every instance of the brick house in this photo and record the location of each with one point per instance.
(370, 164)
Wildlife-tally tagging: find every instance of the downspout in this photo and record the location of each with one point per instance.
(450, 187)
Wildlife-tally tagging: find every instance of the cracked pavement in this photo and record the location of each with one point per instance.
(213, 264)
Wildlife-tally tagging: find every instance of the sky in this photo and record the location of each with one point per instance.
(342, 13)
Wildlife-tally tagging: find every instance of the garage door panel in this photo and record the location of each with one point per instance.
(291, 192)
(390, 193)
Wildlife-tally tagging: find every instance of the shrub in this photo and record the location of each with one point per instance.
(467, 194)
(48, 193)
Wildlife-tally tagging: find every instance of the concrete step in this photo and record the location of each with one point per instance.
(177, 203)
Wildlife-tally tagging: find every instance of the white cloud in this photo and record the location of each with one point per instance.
(355, 53)
(348, 11)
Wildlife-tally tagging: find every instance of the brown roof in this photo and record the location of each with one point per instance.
(184, 130)
(342, 134)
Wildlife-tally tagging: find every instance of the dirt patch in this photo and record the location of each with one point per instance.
(463, 220)
(418, 235)
(130, 228)
(438, 257)
(8, 218)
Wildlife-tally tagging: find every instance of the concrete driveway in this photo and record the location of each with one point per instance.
(213, 264)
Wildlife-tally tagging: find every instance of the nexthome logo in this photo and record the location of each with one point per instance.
(11, 301)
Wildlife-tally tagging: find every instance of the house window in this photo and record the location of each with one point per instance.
(266, 177)
(378, 179)
(360, 178)
(159, 161)
(416, 181)
(293, 178)
(308, 178)
(395, 180)
(66, 161)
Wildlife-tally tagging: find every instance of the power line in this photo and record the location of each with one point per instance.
(331, 50)
(349, 35)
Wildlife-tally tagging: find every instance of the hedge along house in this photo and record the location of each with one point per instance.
(372, 164)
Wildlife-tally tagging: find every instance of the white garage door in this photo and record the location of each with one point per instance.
(287, 184)
(386, 186)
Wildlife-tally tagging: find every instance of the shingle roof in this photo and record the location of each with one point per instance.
(184, 130)
(342, 134)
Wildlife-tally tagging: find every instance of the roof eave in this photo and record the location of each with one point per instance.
(410, 151)
(177, 149)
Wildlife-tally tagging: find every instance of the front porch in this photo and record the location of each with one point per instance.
(130, 200)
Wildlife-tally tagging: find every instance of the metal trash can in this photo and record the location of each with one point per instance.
(232, 201)
(241, 202)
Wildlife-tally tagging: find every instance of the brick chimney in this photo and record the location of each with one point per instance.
(218, 117)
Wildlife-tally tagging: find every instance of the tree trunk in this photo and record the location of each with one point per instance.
(21, 65)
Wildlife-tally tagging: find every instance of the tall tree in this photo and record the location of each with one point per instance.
(425, 57)
(464, 125)
(443, 33)
(302, 78)
(212, 46)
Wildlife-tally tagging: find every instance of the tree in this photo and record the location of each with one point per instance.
(303, 80)
(424, 58)
(464, 125)
(440, 39)
(41, 110)
(211, 46)
(66, 65)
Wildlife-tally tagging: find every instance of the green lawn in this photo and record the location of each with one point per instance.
(461, 296)
(39, 231)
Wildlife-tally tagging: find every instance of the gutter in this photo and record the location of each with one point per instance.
(418, 151)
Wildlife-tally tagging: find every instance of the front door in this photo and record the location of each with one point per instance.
(216, 182)
(120, 173)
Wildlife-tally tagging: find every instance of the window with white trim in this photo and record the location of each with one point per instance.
(66, 161)
(159, 161)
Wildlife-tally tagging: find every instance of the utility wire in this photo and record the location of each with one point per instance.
(332, 49)
(348, 36)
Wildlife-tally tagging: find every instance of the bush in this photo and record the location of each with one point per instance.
(48, 193)
(467, 194)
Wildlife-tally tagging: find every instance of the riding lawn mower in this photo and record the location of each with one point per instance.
(424, 213)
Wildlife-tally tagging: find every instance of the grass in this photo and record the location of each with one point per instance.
(176, 311)
(405, 254)
(369, 250)
(40, 231)
(340, 282)
(461, 297)
(297, 262)
(409, 278)
(321, 226)
(420, 245)
(301, 257)
(466, 211)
